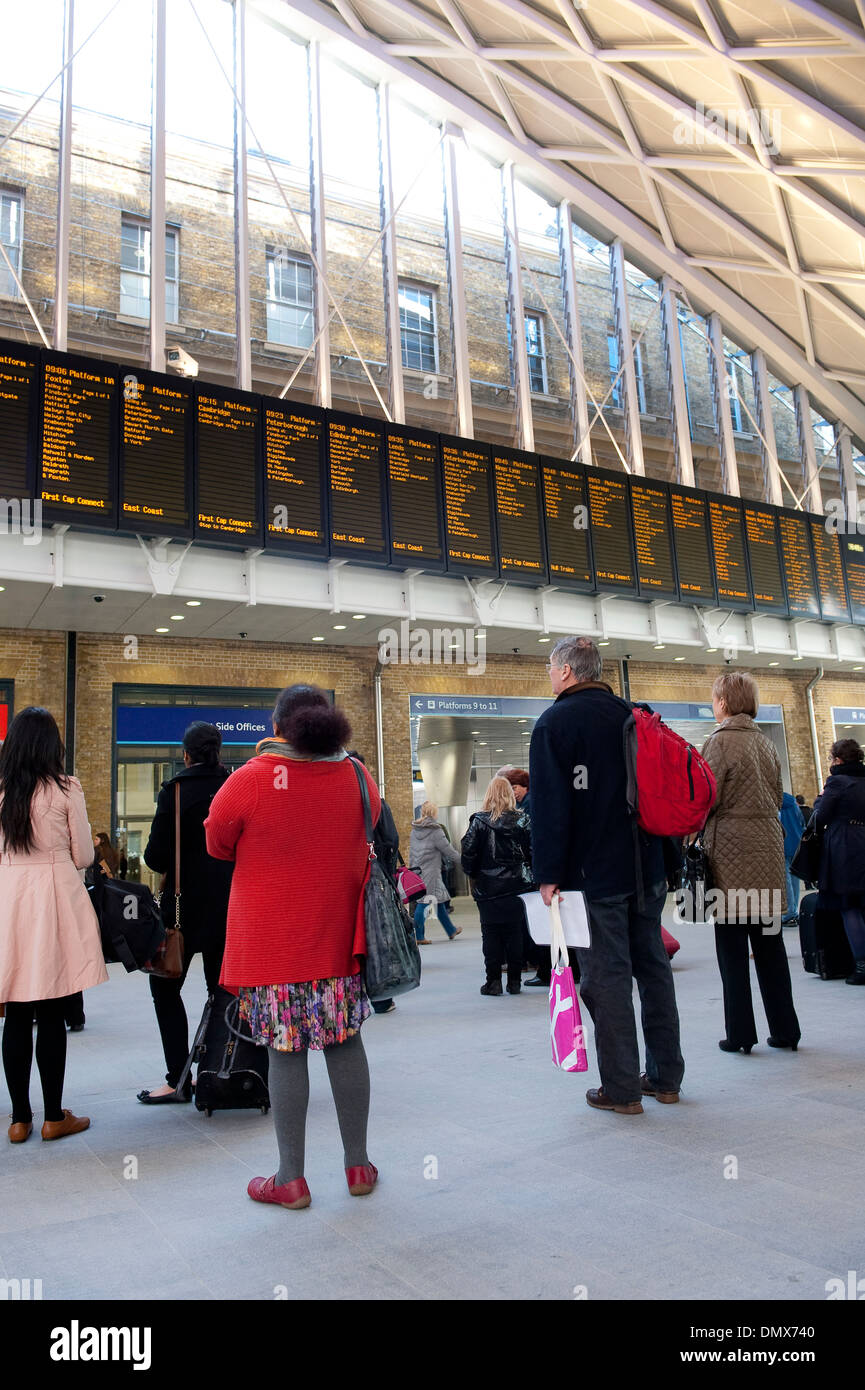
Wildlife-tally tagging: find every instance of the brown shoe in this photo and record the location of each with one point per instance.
(20, 1131)
(70, 1124)
(665, 1097)
(599, 1101)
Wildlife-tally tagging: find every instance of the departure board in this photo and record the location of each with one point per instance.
(357, 502)
(728, 543)
(764, 556)
(228, 493)
(853, 551)
(156, 419)
(830, 572)
(519, 515)
(415, 495)
(469, 525)
(691, 546)
(78, 453)
(610, 514)
(650, 510)
(566, 520)
(19, 396)
(294, 493)
(798, 562)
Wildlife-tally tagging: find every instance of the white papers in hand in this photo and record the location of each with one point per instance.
(575, 921)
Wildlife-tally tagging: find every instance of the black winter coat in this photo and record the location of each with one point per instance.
(497, 855)
(841, 809)
(205, 883)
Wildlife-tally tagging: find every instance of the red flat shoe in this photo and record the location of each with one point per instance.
(293, 1195)
(361, 1180)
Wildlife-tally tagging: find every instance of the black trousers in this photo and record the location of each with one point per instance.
(732, 942)
(50, 1055)
(502, 935)
(74, 1011)
(170, 1013)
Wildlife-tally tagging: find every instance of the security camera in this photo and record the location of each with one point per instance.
(98, 598)
(515, 650)
(243, 634)
(180, 360)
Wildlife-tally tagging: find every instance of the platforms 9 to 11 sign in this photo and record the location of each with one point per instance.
(121, 449)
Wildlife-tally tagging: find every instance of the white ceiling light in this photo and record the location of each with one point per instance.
(358, 616)
(193, 603)
(318, 639)
(163, 629)
(178, 617)
(339, 627)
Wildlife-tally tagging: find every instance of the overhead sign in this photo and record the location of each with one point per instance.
(845, 715)
(166, 724)
(504, 706)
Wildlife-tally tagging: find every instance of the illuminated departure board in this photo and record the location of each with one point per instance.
(830, 571)
(294, 495)
(469, 526)
(566, 520)
(357, 522)
(156, 419)
(728, 543)
(519, 521)
(78, 454)
(656, 575)
(19, 395)
(414, 491)
(610, 514)
(764, 556)
(691, 546)
(798, 562)
(853, 551)
(227, 493)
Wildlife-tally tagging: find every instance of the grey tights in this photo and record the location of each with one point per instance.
(288, 1081)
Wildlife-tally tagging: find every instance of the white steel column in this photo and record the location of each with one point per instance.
(64, 179)
(813, 499)
(395, 381)
(628, 379)
(323, 394)
(241, 205)
(519, 351)
(678, 388)
(157, 193)
(721, 397)
(573, 333)
(846, 472)
(456, 285)
(772, 490)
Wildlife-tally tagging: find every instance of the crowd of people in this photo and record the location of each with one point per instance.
(271, 862)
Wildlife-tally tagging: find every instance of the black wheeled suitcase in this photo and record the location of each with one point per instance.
(825, 948)
(232, 1070)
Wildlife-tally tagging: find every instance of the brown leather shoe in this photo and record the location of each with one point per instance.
(70, 1124)
(20, 1131)
(599, 1101)
(665, 1097)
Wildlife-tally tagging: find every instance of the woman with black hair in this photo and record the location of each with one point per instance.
(205, 884)
(49, 936)
(292, 820)
(840, 812)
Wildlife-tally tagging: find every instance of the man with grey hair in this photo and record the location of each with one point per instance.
(585, 838)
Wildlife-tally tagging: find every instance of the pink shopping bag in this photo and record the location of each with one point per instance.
(566, 1024)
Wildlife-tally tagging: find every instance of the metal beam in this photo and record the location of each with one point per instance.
(847, 473)
(157, 192)
(772, 489)
(456, 285)
(812, 501)
(323, 393)
(677, 384)
(516, 309)
(721, 399)
(64, 179)
(395, 382)
(241, 204)
(633, 431)
(574, 335)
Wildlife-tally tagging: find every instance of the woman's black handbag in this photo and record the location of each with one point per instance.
(129, 921)
(805, 863)
(694, 884)
(392, 961)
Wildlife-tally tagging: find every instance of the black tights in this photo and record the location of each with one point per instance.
(50, 1055)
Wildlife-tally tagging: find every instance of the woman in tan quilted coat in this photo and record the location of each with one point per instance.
(744, 843)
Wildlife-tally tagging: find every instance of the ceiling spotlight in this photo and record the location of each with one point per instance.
(482, 745)
(434, 743)
(605, 643)
(178, 617)
(358, 616)
(711, 649)
(857, 668)
(193, 603)
(498, 750)
(659, 646)
(774, 663)
(474, 731)
(798, 658)
(678, 658)
(339, 627)
(318, 639)
(162, 629)
(543, 639)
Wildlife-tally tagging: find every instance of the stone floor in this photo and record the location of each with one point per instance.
(497, 1181)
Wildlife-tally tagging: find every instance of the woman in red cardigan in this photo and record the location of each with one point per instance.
(292, 821)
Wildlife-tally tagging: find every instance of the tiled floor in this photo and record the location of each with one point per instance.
(497, 1180)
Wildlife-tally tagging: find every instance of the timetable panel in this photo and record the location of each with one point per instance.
(78, 452)
(294, 493)
(156, 454)
(415, 496)
(19, 402)
(612, 544)
(519, 518)
(691, 545)
(853, 552)
(653, 544)
(356, 492)
(727, 531)
(764, 559)
(830, 571)
(469, 523)
(566, 520)
(798, 561)
(227, 492)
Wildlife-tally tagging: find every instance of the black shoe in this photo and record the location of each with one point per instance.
(858, 976)
(515, 988)
(727, 1046)
(536, 980)
(77, 1027)
(779, 1042)
(492, 987)
(172, 1098)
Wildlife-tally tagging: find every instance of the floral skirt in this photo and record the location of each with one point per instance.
(312, 1014)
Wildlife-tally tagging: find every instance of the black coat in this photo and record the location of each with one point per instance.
(497, 855)
(205, 883)
(841, 809)
(582, 837)
(385, 838)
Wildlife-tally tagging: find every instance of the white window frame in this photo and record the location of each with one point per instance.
(430, 336)
(639, 372)
(541, 357)
(8, 287)
(296, 329)
(734, 374)
(138, 305)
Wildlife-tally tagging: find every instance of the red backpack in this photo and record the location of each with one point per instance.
(671, 788)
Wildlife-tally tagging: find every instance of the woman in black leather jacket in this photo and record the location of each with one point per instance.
(841, 809)
(497, 856)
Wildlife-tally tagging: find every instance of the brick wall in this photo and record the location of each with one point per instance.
(36, 662)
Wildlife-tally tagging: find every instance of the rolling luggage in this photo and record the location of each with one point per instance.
(232, 1070)
(825, 948)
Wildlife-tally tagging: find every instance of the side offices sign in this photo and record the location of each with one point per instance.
(166, 724)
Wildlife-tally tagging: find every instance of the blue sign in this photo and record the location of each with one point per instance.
(848, 716)
(500, 707)
(675, 709)
(166, 724)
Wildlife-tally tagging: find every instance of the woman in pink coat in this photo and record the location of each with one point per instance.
(49, 937)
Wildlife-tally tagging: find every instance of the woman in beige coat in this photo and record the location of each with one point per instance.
(744, 844)
(49, 937)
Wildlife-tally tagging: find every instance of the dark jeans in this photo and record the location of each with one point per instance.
(773, 976)
(170, 1013)
(50, 1055)
(627, 946)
